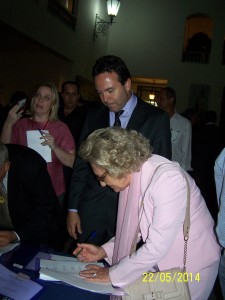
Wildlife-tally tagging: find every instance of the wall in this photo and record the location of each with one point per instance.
(148, 35)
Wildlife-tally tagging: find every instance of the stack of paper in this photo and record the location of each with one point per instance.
(67, 269)
(17, 286)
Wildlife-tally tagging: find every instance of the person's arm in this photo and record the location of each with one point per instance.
(7, 237)
(219, 170)
(12, 118)
(78, 183)
(77, 186)
(65, 157)
(109, 247)
(186, 148)
(169, 202)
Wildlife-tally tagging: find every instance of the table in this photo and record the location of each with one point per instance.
(51, 290)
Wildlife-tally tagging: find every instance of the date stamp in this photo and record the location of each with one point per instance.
(170, 277)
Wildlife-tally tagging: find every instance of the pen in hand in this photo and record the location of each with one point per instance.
(92, 235)
(41, 132)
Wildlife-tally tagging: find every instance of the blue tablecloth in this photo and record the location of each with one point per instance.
(51, 290)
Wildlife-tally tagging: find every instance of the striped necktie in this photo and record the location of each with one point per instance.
(117, 118)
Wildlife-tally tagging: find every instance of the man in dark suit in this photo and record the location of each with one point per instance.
(92, 207)
(29, 209)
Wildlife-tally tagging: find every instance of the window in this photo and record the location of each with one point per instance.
(148, 93)
(66, 10)
(197, 39)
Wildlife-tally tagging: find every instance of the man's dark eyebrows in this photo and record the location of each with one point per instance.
(106, 90)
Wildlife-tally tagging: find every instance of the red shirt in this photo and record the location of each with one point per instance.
(63, 139)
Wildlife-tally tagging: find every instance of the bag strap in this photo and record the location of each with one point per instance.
(186, 225)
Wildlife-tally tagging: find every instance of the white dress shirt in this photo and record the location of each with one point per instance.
(181, 135)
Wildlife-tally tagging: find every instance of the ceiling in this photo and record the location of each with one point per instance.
(12, 40)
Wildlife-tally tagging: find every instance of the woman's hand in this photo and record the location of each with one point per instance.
(14, 114)
(66, 158)
(89, 253)
(95, 273)
(48, 140)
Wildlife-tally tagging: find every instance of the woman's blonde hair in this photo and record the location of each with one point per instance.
(118, 151)
(55, 101)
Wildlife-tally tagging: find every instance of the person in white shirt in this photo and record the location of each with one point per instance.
(181, 131)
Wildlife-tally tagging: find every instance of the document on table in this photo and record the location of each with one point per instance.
(67, 266)
(8, 248)
(17, 286)
(63, 258)
(34, 142)
(68, 272)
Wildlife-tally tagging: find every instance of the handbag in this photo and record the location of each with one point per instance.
(166, 284)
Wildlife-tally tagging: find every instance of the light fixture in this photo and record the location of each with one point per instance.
(101, 26)
(152, 96)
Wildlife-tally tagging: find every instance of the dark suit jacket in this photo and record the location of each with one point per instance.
(33, 207)
(97, 206)
(74, 120)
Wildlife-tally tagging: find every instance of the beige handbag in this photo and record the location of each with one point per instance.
(167, 284)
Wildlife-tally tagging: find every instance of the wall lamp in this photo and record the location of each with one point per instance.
(101, 26)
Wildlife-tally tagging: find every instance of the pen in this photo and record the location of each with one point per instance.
(93, 234)
(40, 131)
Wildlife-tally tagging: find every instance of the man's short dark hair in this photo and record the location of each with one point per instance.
(111, 63)
(170, 92)
(70, 82)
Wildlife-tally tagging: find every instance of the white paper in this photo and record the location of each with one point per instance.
(63, 258)
(34, 142)
(17, 287)
(8, 248)
(68, 267)
(77, 281)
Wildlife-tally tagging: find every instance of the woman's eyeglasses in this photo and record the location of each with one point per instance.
(102, 177)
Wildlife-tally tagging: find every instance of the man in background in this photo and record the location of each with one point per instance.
(71, 111)
(181, 132)
(92, 207)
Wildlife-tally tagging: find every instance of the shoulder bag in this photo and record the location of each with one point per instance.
(167, 284)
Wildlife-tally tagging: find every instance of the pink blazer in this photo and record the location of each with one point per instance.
(161, 226)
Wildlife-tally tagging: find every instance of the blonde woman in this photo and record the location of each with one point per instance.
(44, 108)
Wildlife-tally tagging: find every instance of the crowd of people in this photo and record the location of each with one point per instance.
(120, 168)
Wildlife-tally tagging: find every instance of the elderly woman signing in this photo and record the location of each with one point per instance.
(123, 160)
